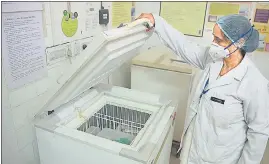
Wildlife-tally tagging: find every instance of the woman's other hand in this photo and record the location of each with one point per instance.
(148, 16)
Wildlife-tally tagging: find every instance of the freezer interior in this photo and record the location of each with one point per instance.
(116, 122)
(113, 116)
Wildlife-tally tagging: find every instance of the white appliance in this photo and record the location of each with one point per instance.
(84, 122)
(159, 71)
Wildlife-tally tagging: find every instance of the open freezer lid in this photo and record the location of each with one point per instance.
(108, 51)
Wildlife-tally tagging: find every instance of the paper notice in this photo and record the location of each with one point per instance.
(261, 16)
(223, 8)
(220, 9)
(92, 16)
(121, 13)
(23, 47)
(21, 6)
(261, 23)
(245, 9)
(187, 17)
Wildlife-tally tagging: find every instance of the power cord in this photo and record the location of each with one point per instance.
(102, 7)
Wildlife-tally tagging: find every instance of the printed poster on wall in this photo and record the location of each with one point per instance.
(220, 9)
(121, 13)
(23, 48)
(187, 17)
(92, 17)
(261, 23)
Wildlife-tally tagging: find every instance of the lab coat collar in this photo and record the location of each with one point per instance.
(237, 73)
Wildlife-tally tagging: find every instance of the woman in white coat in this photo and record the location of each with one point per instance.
(228, 120)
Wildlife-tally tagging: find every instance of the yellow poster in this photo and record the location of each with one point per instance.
(187, 17)
(218, 9)
(261, 23)
(121, 13)
(223, 8)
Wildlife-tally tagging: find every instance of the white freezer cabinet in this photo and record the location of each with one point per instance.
(115, 125)
(87, 122)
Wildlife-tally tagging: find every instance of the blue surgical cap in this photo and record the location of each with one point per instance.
(236, 27)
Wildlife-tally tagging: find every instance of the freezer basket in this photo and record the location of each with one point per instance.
(116, 123)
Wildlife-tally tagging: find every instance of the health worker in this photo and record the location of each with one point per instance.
(227, 121)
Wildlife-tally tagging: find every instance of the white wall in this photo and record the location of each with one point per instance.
(20, 106)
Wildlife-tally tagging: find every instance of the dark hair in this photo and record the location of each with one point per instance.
(243, 52)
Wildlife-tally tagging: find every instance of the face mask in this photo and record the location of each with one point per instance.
(218, 52)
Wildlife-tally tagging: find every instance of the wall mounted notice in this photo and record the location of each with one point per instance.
(121, 13)
(245, 9)
(261, 23)
(44, 20)
(21, 6)
(187, 17)
(23, 47)
(223, 8)
(219, 9)
(92, 16)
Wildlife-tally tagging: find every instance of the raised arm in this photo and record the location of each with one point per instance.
(191, 52)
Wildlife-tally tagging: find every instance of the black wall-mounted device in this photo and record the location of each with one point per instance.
(103, 15)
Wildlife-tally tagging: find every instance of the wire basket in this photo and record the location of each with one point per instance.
(116, 122)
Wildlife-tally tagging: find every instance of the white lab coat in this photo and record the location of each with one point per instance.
(231, 124)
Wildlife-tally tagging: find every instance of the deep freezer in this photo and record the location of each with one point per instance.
(87, 122)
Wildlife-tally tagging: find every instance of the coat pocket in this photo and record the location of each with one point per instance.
(219, 120)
